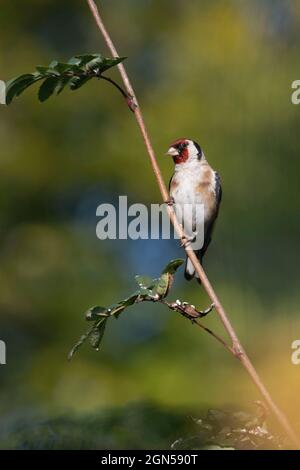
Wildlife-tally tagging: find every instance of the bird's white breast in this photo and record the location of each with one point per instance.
(194, 184)
(193, 190)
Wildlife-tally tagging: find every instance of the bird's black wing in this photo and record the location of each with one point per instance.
(208, 229)
(218, 189)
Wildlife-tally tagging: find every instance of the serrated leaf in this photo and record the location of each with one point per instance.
(93, 334)
(83, 59)
(48, 88)
(94, 313)
(45, 71)
(53, 64)
(102, 63)
(96, 335)
(172, 267)
(63, 82)
(116, 309)
(162, 285)
(17, 85)
(79, 343)
(95, 63)
(61, 67)
(107, 63)
(74, 60)
(129, 300)
(145, 293)
(145, 282)
(77, 82)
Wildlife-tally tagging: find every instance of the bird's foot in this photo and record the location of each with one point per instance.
(170, 202)
(186, 241)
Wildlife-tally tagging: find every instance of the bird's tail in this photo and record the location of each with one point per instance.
(189, 272)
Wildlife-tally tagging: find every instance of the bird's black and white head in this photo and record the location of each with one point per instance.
(185, 150)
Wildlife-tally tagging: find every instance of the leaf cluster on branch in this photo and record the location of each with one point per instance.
(57, 75)
(149, 290)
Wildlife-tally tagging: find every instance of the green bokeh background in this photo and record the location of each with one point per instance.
(217, 71)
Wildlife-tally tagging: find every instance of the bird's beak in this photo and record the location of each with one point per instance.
(172, 152)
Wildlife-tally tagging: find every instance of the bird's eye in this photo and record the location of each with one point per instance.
(182, 146)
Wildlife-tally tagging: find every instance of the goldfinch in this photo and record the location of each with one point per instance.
(194, 183)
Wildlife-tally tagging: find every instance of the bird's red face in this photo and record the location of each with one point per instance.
(179, 151)
(183, 150)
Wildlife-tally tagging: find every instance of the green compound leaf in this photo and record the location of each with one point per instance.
(152, 290)
(75, 73)
(172, 267)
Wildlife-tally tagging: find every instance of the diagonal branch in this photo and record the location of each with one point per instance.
(236, 347)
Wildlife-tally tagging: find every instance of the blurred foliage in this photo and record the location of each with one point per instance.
(219, 71)
(231, 430)
(137, 426)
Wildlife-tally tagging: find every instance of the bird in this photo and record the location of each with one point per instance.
(194, 182)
